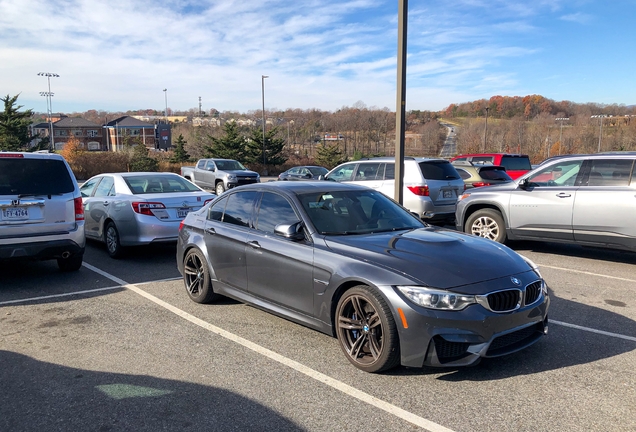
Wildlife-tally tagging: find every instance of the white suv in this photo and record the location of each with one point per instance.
(41, 212)
(431, 185)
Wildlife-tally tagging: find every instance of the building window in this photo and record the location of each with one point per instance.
(92, 133)
(77, 133)
(61, 133)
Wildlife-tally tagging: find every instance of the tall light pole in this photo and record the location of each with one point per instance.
(263, 119)
(561, 119)
(49, 105)
(486, 129)
(600, 133)
(165, 113)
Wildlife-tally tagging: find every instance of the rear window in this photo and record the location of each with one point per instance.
(494, 174)
(25, 176)
(438, 170)
(514, 163)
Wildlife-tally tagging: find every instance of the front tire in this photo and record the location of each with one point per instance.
(487, 223)
(366, 330)
(220, 188)
(111, 238)
(196, 277)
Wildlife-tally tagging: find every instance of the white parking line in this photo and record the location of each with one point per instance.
(588, 273)
(325, 379)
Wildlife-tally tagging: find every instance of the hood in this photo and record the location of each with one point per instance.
(434, 256)
(243, 173)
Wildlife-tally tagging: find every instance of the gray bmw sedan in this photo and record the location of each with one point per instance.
(350, 262)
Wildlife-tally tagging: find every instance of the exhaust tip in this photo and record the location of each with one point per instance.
(66, 254)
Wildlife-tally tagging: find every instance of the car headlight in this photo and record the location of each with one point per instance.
(437, 299)
(231, 177)
(532, 265)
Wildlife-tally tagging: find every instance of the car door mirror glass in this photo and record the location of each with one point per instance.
(290, 231)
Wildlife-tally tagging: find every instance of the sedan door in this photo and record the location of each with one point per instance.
(543, 208)
(98, 207)
(226, 233)
(279, 269)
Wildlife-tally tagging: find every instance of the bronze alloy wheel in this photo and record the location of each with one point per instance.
(366, 330)
(196, 277)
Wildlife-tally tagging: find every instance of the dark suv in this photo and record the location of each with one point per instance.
(41, 212)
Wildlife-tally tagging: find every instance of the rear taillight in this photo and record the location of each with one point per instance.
(11, 155)
(79, 209)
(419, 190)
(479, 184)
(146, 208)
(181, 225)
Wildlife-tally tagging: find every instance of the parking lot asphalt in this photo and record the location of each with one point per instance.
(119, 346)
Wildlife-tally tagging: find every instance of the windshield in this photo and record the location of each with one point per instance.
(356, 212)
(229, 165)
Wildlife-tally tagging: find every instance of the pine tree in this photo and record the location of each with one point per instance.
(273, 147)
(180, 154)
(232, 145)
(140, 161)
(329, 155)
(14, 125)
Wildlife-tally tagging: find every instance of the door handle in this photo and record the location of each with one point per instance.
(210, 230)
(254, 244)
(564, 195)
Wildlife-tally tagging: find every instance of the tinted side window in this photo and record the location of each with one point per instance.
(239, 208)
(34, 176)
(274, 210)
(215, 212)
(463, 174)
(610, 172)
(438, 170)
(389, 172)
(493, 174)
(516, 163)
(367, 171)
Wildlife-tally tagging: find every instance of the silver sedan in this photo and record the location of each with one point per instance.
(140, 208)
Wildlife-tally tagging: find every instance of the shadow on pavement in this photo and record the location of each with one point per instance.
(39, 396)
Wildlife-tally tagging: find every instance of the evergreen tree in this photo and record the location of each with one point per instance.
(140, 161)
(329, 155)
(229, 146)
(14, 125)
(180, 154)
(273, 147)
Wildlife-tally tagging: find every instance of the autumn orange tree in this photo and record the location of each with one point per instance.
(73, 151)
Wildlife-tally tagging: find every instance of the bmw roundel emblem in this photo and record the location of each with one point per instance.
(515, 281)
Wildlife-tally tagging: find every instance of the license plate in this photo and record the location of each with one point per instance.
(448, 194)
(182, 212)
(15, 213)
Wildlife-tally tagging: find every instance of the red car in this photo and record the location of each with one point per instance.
(516, 164)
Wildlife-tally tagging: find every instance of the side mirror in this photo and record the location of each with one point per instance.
(524, 184)
(307, 175)
(290, 231)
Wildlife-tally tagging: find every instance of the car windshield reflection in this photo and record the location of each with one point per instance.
(356, 212)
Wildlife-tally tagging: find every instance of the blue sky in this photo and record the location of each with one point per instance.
(325, 54)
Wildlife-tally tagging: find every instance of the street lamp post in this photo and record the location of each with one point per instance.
(600, 133)
(486, 128)
(561, 119)
(165, 113)
(263, 119)
(49, 105)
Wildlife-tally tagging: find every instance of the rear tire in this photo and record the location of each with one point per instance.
(196, 277)
(111, 238)
(72, 263)
(487, 223)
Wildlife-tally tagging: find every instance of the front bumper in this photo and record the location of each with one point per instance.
(462, 338)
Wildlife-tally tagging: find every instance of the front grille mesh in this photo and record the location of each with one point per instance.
(509, 342)
(533, 291)
(447, 351)
(502, 301)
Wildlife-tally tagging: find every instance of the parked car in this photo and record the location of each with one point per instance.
(307, 172)
(584, 199)
(219, 174)
(516, 165)
(138, 208)
(41, 213)
(431, 185)
(350, 262)
(478, 175)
